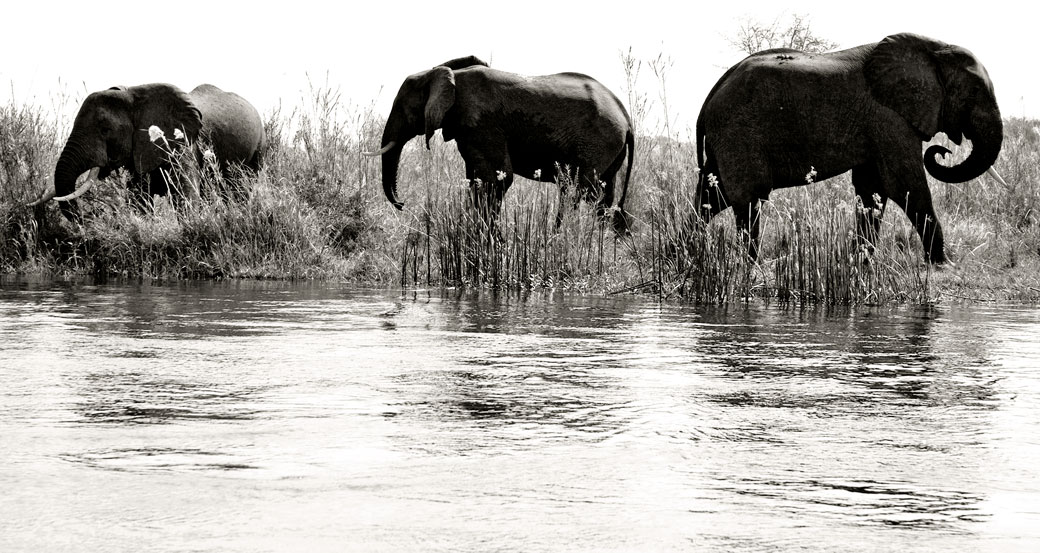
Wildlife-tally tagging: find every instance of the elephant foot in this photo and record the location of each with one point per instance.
(619, 219)
(622, 222)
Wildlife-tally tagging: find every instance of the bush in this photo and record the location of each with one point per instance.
(317, 211)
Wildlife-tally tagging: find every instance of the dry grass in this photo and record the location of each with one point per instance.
(317, 211)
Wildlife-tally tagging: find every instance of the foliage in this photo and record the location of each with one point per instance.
(755, 36)
(316, 211)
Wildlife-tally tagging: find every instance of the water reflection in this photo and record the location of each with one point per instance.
(878, 503)
(127, 397)
(512, 422)
(156, 459)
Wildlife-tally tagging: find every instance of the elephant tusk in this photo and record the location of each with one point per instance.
(88, 182)
(380, 151)
(996, 176)
(47, 195)
(79, 192)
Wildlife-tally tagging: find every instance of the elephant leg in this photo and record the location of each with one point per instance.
(565, 180)
(486, 196)
(140, 192)
(708, 196)
(618, 218)
(490, 177)
(158, 183)
(747, 217)
(867, 181)
(487, 200)
(561, 201)
(256, 161)
(917, 205)
(609, 180)
(603, 185)
(233, 179)
(907, 187)
(499, 193)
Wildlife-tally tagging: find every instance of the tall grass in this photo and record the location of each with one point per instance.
(317, 211)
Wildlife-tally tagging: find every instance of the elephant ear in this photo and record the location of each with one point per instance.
(440, 99)
(168, 108)
(902, 74)
(462, 63)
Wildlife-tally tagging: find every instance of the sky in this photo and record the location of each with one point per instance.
(273, 52)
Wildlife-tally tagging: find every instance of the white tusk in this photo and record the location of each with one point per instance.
(87, 180)
(380, 151)
(996, 176)
(47, 195)
(91, 175)
(77, 193)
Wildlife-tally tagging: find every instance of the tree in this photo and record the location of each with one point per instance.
(755, 36)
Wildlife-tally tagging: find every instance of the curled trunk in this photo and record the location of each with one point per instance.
(987, 134)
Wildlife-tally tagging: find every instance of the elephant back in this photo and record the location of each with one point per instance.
(230, 123)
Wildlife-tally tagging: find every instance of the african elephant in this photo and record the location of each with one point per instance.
(116, 128)
(782, 118)
(506, 124)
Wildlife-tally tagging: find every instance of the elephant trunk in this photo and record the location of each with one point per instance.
(72, 162)
(986, 132)
(391, 159)
(401, 126)
(393, 144)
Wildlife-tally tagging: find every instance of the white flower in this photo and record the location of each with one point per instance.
(155, 133)
(537, 174)
(208, 155)
(501, 175)
(713, 181)
(178, 134)
(810, 177)
(706, 206)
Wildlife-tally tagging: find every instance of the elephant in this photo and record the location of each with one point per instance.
(120, 128)
(783, 118)
(506, 124)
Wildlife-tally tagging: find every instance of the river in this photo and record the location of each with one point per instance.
(259, 416)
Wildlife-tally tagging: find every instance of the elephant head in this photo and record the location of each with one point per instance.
(939, 87)
(111, 131)
(419, 108)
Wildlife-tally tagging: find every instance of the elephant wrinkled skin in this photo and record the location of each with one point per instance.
(783, 118)
(113, 130)
(506, 124)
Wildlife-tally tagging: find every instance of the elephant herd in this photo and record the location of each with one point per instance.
(777, 119)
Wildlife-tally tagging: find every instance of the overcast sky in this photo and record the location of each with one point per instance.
(268, 53)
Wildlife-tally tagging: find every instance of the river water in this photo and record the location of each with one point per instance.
(279, 417)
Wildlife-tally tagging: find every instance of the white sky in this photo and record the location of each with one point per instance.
(267, 53)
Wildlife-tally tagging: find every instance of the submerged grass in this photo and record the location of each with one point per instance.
(316, 211)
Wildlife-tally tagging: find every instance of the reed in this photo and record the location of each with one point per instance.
(316, 211)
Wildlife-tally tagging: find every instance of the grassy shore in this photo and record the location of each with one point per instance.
(317, 211)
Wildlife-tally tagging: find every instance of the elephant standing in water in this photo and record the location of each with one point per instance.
(506, 124)
(116, 128)
(783, 118)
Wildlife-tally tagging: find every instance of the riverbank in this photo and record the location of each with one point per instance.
(317, 211)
